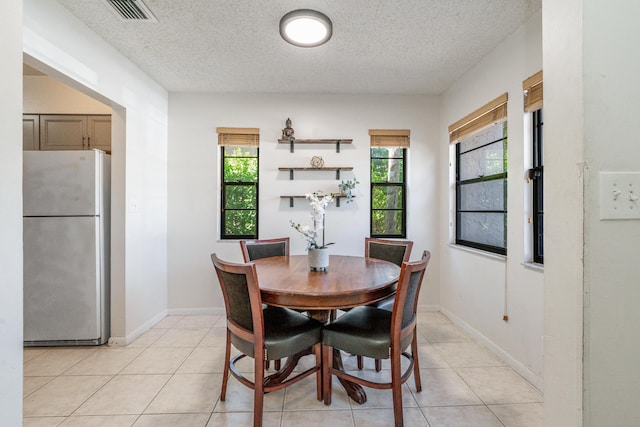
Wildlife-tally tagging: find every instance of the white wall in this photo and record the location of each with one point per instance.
(56, 43)
(46, 95)
(476, 290)
(194, 178)
(563, 110)
(11, 213)
(611, 66)
(591, 67)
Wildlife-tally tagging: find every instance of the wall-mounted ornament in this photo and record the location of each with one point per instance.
(317, 162)
(288, 132)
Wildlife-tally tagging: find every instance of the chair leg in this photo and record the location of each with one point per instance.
(258, 395)
(317, 350)
(327, 363)
(378, 365)
(225, 372)
(277, 364)
(396, 387)
(416, 364)
(359, 359)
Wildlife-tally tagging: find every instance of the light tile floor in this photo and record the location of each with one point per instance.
(171, 376)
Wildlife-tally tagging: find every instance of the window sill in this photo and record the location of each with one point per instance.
(485, 254)
(534, 266)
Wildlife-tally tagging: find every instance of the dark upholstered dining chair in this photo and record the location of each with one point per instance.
(380, 334)
(265, 248)
(262, 333)
(395, 251)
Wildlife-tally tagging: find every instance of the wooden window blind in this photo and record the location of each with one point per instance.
(390, 137)
(239, 136)
(489, 114)
(532, 88)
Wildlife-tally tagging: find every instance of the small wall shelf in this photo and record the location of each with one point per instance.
(336, 196)
(337, 169)
(294, 141)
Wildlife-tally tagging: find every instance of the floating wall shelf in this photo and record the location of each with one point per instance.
(335, 196)
(337, 169)
(294, 141)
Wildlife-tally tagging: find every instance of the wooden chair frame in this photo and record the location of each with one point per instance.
(245, 243)
(398, 333)
(408, 244)
(256, 337)
(244, 246)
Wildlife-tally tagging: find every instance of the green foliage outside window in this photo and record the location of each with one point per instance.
(239, 192)
(388, 192)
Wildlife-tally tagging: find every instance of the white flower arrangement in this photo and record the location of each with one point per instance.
(319, 202)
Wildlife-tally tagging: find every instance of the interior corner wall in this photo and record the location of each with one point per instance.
(194, 179)
(64, 48)
(11, 213)
(477, 290)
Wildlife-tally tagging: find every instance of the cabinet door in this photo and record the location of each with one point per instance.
(100, 132)
(62, 132)
(30, 132)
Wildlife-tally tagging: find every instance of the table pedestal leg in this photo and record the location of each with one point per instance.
(355, 391)
(281, 375)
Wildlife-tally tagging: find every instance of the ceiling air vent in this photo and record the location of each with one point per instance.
(131, 10)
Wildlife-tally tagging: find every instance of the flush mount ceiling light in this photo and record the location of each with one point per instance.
(306, 28)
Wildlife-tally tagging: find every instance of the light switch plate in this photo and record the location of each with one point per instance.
(619, 195)
(132, 205)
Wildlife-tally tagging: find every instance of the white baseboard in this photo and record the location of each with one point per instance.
(427, 307)
(122, 341)
(196, 311)
(513, 363)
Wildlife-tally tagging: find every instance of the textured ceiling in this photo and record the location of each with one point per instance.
(378, 46)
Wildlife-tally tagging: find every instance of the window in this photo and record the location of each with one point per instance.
(533, 95)
(388, 182)
(239, 191)
(481, 177)
(535, 175)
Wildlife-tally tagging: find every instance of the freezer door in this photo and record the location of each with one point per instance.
(62, 183)
(63, 294)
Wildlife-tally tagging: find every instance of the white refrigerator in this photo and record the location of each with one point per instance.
(66, 247)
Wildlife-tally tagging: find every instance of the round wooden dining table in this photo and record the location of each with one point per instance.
(349, 281)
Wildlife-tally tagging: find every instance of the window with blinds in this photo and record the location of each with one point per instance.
(239, 149)
(532, 90)
(388, 182)
(481, 177)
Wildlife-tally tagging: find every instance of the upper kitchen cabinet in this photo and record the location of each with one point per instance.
(75, 132)
(100, 132)
(30, 132)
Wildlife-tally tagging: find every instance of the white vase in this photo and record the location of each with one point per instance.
(318, 259)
